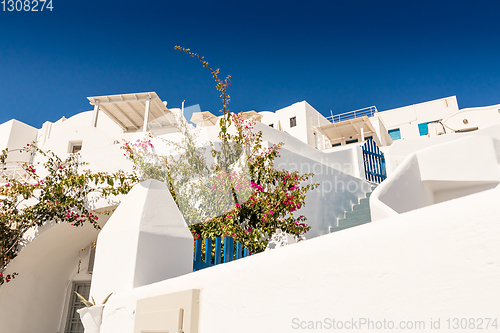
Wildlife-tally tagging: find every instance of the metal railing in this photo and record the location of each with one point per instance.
(13, 170)
(368, 111)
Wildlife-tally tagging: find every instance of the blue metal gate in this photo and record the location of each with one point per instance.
(374, 162)
(228, 249)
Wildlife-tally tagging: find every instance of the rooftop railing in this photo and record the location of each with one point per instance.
(368, 111)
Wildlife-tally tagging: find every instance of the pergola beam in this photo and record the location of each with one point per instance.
(110, 115)
(125, 115)
(93, 100)
(159, 105)
(132, 109)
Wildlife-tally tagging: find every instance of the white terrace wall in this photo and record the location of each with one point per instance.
(346, 160)
(438, 173)
(336, 193)
(400, 149)
(427, 265)
(335, 171)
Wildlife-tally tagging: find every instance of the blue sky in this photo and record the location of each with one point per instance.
(337, 55)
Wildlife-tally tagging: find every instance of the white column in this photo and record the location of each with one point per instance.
(96, 114)
(146, 115)
(362, 133)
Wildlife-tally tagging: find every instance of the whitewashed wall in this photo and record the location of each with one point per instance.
(427, 265)
(315, 119)
(480, 117)
(36, 301)
(407, 118)
(14, 135)
(337, 191)
(400, 149)
(307, 118)
(381, 137)
(100, 145)
(438, 173)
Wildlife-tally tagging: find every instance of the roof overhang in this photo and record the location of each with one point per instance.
(205, 118)
(129, 110)
(251, 115)
(346, 129)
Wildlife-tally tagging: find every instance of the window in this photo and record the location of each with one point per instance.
(336, 144)
(351, 141)
(423, 128)
(271, 125)
(395, 134)
(73, 323)
(75, 147)
(90, 268)
(293, 121)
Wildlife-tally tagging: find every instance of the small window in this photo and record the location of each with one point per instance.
(423, 129)
(75, 147)
(336, 144)
(293, 121)
(351, 141)
(271, 125)
(90, 268)
(395, 134)
(73, 323)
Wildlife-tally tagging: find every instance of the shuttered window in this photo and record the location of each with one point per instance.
(423, 129)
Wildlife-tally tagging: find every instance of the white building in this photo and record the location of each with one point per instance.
(431, 253)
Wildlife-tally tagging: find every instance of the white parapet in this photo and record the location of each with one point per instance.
(145, 241)
(438, 173)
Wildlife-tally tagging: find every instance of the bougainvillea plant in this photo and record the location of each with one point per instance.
(54, 191)
(239, 192)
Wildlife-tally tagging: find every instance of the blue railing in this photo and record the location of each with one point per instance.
(374, 162)
(210, 260)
